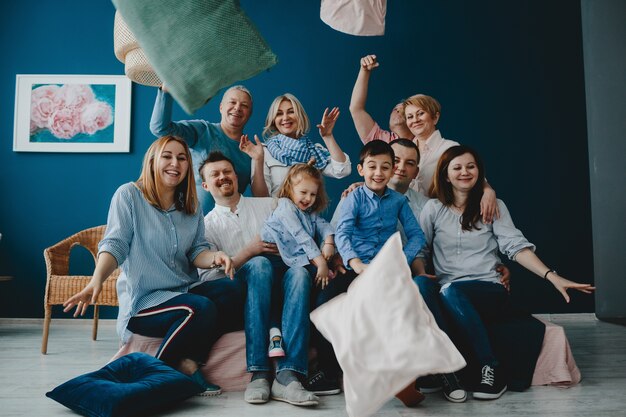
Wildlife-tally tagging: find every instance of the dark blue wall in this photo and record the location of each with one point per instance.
(508, 74)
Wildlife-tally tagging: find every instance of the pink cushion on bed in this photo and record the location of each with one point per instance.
(555, 364)
(226, 364)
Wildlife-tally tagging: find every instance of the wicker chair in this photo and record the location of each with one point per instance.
(60, 286)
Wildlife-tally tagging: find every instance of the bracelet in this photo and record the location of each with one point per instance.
(328, 243)
(545, 276)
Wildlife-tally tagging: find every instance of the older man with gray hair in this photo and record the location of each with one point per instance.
(226, 136)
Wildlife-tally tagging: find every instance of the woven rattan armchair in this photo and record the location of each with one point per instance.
(60, 286)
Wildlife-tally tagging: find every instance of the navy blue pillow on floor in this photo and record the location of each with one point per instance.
(133, 384)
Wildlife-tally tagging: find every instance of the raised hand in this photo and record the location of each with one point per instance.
(253, 150)
(328, 122)
(369, 62)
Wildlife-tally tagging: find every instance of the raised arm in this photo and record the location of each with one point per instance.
(326, 127)
(363, 122)
(256, 153)
(161, 123)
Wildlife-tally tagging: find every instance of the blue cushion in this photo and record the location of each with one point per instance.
(133, 384)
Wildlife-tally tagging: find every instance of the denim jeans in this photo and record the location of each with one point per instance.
(429, 289)
(470, 304)
(190, 323)
(270, 283)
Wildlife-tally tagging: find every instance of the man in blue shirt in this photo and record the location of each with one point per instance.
(225, 136)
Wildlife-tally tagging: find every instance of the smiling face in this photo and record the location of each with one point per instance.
(396, 118)
(463, 172)
(286, 121)
(235, 108)
(406, 166)
(421, 123)
(171, 165)
(376, 170)
(220, 179)
(304, 192)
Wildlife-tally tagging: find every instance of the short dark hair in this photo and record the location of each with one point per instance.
(407, 143)
(376, 147)
(214, 156)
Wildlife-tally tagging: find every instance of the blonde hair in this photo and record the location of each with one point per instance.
(427, 103)
(270, 128)
(293, 178)
(185, 198)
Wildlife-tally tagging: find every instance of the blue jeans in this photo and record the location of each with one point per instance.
(271, 283)
(429, 289)
(468, 304)
(190, 323)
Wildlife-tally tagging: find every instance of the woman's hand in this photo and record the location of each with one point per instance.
(221, 259)
(563, 284)
(328, 122)
(369, 62)
(489, 206)
(89, 295)
(253, 150)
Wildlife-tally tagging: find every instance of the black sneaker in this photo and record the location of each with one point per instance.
(452, 389)
(318, 384)
(428, 384)
(490, 388)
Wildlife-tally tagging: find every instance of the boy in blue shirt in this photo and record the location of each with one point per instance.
(370, 214)
(368, 217)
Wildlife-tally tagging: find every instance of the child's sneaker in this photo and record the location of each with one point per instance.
(276, 344)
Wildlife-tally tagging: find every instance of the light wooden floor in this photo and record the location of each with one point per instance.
(26, 375)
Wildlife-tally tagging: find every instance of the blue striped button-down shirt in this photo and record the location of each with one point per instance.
(367, 220)
(155, 250)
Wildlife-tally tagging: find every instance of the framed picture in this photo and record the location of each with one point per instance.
(72, 113)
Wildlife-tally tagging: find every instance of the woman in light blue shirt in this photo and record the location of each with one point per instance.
(155, 234)
(467, 285)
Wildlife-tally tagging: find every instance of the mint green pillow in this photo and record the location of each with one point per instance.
(197, 47)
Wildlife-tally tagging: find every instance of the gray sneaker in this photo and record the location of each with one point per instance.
(257, 391)
(294, 393)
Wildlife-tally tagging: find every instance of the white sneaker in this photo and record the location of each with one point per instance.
(276, 344)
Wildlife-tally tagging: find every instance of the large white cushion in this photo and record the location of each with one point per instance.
(383, 334)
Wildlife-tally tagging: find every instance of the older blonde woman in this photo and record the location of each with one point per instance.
(285, 131)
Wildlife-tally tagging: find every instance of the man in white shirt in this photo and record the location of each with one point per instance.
(233, 226)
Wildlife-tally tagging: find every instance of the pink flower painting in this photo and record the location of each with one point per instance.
(67, 111)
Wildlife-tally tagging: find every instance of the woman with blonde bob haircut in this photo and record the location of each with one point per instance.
(155, 234)
(287, 143)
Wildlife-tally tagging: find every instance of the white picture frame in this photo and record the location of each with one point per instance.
(72, 113)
